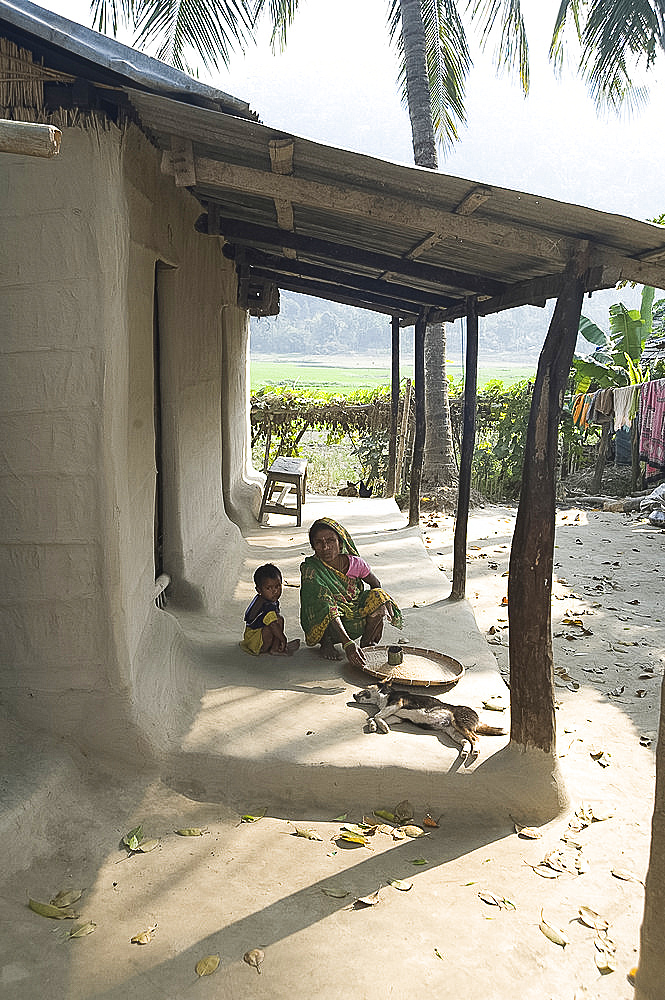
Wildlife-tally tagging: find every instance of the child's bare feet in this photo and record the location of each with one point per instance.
(288, 650)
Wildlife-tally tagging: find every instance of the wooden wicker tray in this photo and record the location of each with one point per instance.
(420, 667)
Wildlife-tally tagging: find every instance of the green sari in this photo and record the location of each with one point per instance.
(326, 594)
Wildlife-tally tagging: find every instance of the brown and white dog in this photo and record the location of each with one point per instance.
(460, 722)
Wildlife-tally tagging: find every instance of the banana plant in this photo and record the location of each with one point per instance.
(615, 360)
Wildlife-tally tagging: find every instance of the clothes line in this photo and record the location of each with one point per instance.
(622, 405)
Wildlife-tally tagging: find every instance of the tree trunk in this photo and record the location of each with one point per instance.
(466, 457)
(391, 478)
(651, 972)
(532, 551)
(417, 85)
(419, 440)
(439, 465)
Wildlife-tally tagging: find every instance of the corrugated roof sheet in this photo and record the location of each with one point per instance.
(125, 63)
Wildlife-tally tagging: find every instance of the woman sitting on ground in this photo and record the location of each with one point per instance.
(335, 607)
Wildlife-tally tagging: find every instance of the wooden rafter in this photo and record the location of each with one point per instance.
(277, 267)
(310, 247)
(281, 162)
(391, 210)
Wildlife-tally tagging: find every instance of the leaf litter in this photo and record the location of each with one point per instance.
(144, 937)
(254, 957)
(206, 966)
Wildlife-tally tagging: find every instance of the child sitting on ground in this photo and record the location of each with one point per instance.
(264, 626)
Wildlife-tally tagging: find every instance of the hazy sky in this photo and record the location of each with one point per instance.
(336, 83)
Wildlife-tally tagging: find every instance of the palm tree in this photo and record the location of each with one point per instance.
(434, 62)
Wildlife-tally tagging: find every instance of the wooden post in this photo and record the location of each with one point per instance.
(532, 551)
(27, 139)
(468, 443)
(403, 432)
(419, 441)
(266, 454)
(635, 471)
(391, 478)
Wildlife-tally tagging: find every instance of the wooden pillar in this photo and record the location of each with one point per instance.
(419, 440)
(532, 552)
(391, 478)
(651, 966)
(468, 444)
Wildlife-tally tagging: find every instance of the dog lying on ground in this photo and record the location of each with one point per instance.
(459, 722)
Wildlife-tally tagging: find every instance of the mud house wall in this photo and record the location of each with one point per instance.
(84, 651)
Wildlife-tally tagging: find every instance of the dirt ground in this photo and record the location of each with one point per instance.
(469, 924)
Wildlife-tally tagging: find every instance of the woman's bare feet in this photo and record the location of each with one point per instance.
(329, 651)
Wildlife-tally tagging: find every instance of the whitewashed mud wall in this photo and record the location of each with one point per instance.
(84, 652)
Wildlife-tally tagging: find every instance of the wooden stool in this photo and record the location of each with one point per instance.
(289, 474)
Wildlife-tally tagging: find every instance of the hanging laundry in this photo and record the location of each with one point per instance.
(603, 407)
(652, 427)
(581, 405)
(626, 398)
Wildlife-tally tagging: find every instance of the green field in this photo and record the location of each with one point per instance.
(306, 375)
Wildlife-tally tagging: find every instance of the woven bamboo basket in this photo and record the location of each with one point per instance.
(419, 667)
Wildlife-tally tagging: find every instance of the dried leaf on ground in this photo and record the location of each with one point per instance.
(370, 900)
(401, 884)
(54, 912)
(254, 957)
(385, 814)
(496, 704)
(592, 919)
(605, 962)
(144, 937)
(206, 966)
(529, 832)
(349, 838)
(602, 757)
(625, 875)
(132, 839)
(249, 818)
(362, 831)
(190, 831)
(82, 930)
(403, 811)
(299, 831)
(501, 901)
(412, 831)
(419, 861)
(553, 933)
(66, 897)
(430, 821)
(147, 845)
(543, 870)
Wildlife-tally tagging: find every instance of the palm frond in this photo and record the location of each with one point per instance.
(617, 36)
(111, 13)
(281, 13)
(556, 44)
(512, 50)
(209, 28)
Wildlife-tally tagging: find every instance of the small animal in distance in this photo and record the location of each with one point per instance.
(460, 722)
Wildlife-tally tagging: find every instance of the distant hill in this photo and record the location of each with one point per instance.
(310, 326)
